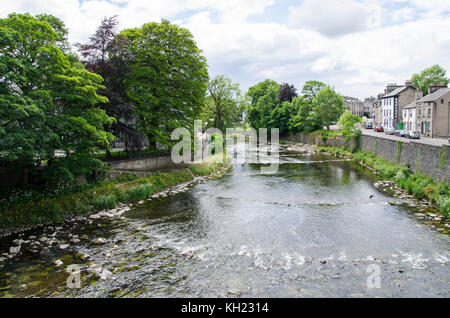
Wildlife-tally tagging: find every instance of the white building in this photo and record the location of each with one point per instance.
(387, 111)
(409, 117)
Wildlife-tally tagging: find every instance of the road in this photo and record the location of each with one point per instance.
(423, 140)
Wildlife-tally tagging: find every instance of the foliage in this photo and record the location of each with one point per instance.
(49, 100)
(263, 100)
(348, 124)
(167, 80)
(98, 57)
(327, 107)
(442, 158)
(399, 150)
(277, 106)
(301, 120)
(224, 106)
(311, 89)
(433, 75)
(287, 93)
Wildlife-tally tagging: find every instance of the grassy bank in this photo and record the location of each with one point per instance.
(42, 209)
(417, 184)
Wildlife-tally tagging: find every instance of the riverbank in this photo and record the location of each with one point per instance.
(421, 186)
(106, 196)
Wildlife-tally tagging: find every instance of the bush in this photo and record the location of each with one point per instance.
(139, 193)
(105, 202)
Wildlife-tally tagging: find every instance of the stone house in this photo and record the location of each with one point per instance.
(354, 105)
(433, 113)
(392, 105)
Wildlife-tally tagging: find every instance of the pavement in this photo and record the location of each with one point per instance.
(423, 140)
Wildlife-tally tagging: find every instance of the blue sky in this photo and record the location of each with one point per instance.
(357, 46)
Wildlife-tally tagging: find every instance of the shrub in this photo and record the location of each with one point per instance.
(105, 202)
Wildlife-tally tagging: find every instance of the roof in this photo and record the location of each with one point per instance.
(396, 91)
(412, 105)
(436, 95)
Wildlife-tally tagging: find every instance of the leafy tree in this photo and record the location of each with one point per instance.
(263, 98)
(168, 77)
(311, 89)
(287, 93)
(98, 57)
(327, 107)
(348, 124)
(280, 117)
(433, 75)
(256, 92)
(223, 107)
(301, 119)
(48, 98)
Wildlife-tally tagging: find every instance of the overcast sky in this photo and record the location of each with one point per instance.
(355, 46)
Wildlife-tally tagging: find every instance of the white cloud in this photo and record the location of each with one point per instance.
(335, 17)
(404, 14)
(345, 45)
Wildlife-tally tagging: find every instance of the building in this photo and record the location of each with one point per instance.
(393, 102)
(410, 117)
(369, 107)
(354, 105)
(433, 113)
(378, 118)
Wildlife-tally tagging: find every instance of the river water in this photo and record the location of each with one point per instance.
(310, 230)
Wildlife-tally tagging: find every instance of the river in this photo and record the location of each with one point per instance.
(316, 228)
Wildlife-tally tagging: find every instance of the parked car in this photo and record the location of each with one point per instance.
(400, 133)
(412, 134)
(368, 125)
(389, 131)
(379, 129)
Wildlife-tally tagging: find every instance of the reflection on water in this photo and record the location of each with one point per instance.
(309, 230)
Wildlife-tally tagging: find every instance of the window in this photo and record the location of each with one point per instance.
(429, 112)
(442, 101)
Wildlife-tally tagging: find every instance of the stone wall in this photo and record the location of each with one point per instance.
(144, 164)
(316, 139)
(388, 149)
(429, 155)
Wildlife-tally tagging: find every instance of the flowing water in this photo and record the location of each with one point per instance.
(309, 230)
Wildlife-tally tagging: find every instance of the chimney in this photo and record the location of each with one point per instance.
(435, 87)
(408, 83)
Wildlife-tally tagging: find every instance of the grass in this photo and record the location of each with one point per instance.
(107, 195)
(417, 184)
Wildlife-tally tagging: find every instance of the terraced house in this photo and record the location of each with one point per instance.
(392, 104)
(433, 113)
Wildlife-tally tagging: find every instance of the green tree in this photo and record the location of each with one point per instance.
(301, 119)
(168, 77)
(223, 106)
(311, 89)
(263, 100)
(327, 107)
(48, 100)
(433, 75)
(97, 56)
(348, 124)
